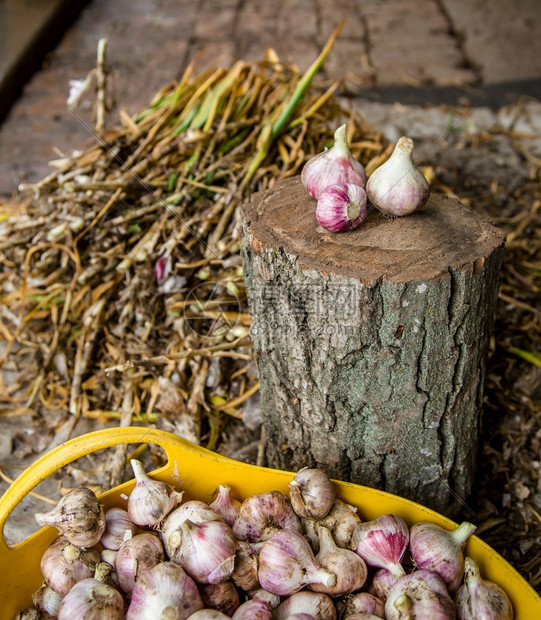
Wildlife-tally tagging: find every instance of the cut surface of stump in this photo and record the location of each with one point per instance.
(371, 345)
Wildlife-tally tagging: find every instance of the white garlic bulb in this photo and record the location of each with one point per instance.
(262, 514)
(287, 564)
(135, 556)
(64, 564)
(79, 516)
(150, 500)
(397, 187)
(480, 598)
(350, 569)
(421, 594)
(165, 591)
(205, 550)
(311, 493)
(92, 600)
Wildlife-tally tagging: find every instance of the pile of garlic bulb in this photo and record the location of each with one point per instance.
(338, 183)
(272, 557)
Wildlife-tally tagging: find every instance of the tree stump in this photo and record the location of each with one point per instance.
(371, 345)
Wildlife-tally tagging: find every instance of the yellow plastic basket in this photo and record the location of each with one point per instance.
(199, 472)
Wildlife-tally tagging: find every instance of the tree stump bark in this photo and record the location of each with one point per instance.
(371, 345)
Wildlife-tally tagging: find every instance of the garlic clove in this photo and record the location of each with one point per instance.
(364, 602)
(262, 514)
(92, 600)
(341, 207)
(341, 520)
(397, 187)
(381, 584)
(64, 564)
(382, 542)
(109, 556)
(264, 595)
(244, 573)
(421, 594)
(480, 598)
(335, 166)
(316, 604)
(79, 516)
(135, 556)
(434, 548)
(206, 550)
(164, 591)
(227, 507)
(47, 600)
(311, 493)
(150, 500)
(117, 523)
(349, 568)
(254, 609)
(287, 564)
(221, 597)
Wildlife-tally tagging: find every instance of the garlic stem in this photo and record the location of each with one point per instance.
(461, 534)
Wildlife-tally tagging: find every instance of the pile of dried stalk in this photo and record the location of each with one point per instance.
(123, 295)
(122, 280)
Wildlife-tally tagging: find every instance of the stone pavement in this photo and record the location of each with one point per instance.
(387, 50)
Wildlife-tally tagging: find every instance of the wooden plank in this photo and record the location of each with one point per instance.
(29, 29)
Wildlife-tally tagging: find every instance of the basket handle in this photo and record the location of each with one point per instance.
(75, 448)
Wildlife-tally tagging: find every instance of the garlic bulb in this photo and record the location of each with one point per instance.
(316, 604)
(117, 523)
(193, 510)
(363, 615)
(480, 598)
(381, 584)
(397, 187)
(78, 516)
(264, 595)
(341, 207)
(286, 564)
(64, 564)
(227, 507)
(349, 568)
(261, 515)
(336, 166)
(47, 600)
(220, 596)
(366, 603)
(382, 542)
(162, 592)
(135, 556)
(92, 600)
(341, 521)
(150, 500)
(206, 550)
(311, 493)
(244, 573)
(421, 594)
(256, 609)
(438, 550)
(208, 614)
